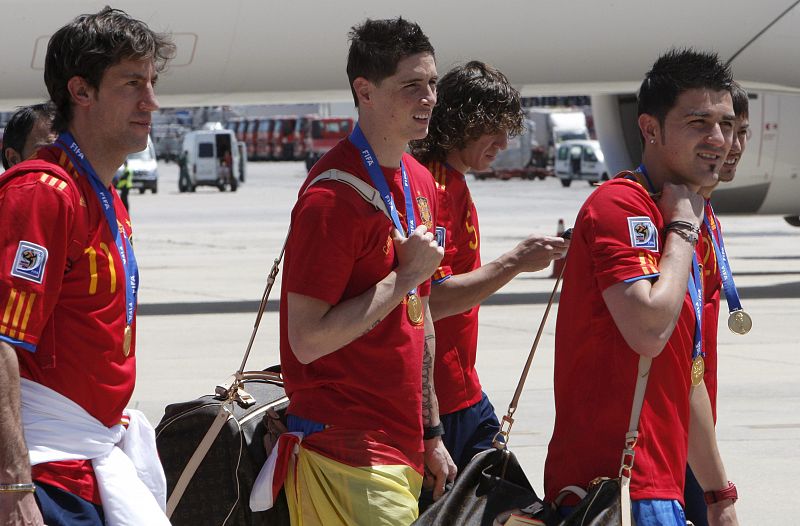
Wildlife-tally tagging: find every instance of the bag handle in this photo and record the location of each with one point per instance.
(508, 420)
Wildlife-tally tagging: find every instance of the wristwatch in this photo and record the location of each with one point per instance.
(716, 496)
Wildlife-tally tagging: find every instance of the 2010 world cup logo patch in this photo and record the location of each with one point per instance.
(643, 233)
(30, 262)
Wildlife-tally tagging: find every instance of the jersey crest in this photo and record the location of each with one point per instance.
(425, 212)
(643, 233)
(30, 262)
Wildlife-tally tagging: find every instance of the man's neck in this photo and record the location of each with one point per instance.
(454, 160)
(103, 162)
(658, 175)
(389, 150)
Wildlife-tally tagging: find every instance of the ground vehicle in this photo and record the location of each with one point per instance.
(282, 138)
(555, 125)
(211, 158)
(263, 145)
(582, 160)
(301, 128)
(144, 167)
(324, 133)
(516, 160)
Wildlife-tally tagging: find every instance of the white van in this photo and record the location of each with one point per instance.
(144, 167)
(582, 160)
(210, 158)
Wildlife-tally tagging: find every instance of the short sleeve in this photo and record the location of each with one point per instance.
(321, 249)
(622, 234)
(444, 234)
(37, 214)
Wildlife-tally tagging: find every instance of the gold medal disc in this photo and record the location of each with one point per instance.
(698, 370)
(126, 340)
(740, 322)
(414, 309)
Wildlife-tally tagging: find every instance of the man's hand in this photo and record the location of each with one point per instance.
(439, 467)
(678, 203)
(536, 252)
(418, 256)
(19, 509)
(722, 513)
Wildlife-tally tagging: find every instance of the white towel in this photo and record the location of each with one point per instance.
(133, 488)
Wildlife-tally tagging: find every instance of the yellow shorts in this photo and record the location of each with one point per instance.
(321, 491)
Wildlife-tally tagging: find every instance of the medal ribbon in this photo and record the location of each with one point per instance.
(731, 294)
(67, 143)
(379, 181)
(696, 295)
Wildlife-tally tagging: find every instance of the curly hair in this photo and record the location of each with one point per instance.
(472, 100)
(89, 45)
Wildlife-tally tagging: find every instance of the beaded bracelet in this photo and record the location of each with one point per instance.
(18, 488)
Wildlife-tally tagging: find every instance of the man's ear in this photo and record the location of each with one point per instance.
(13, 156)
(81, 92)
(650, 128)
(363, 89)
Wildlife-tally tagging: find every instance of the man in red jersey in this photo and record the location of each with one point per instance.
(68, 282)
(477, 110)
(716, 275)
(625, 295)
(356, 335)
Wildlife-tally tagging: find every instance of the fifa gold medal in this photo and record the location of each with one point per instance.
(126, 340)
(698, 370)
(740, 322)
(414, 309)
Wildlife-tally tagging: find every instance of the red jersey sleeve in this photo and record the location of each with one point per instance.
(36, 211)
(623, 233)
(323, 244)
(444, 234)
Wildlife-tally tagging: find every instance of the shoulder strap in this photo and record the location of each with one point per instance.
(364, 189)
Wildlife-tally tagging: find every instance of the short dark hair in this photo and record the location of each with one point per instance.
(741, 102)
(377, 46)
(92, 43)
(677, 71)
(19, 126)
(472, 100)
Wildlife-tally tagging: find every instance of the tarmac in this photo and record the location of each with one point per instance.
(204, 258)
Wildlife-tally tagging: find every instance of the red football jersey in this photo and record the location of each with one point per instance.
(65, 317)
(712, 285)
(457, 383)
(339, 247)
(618, 237)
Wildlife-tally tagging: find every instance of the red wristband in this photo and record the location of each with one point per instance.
(716, 496)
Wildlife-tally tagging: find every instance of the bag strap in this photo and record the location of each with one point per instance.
(628, 453)
(362, 188)
(232, 389)
(508, 419)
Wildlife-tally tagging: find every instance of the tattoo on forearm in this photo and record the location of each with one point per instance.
(428, 394)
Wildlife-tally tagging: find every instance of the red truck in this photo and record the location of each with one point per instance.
(324, 133)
